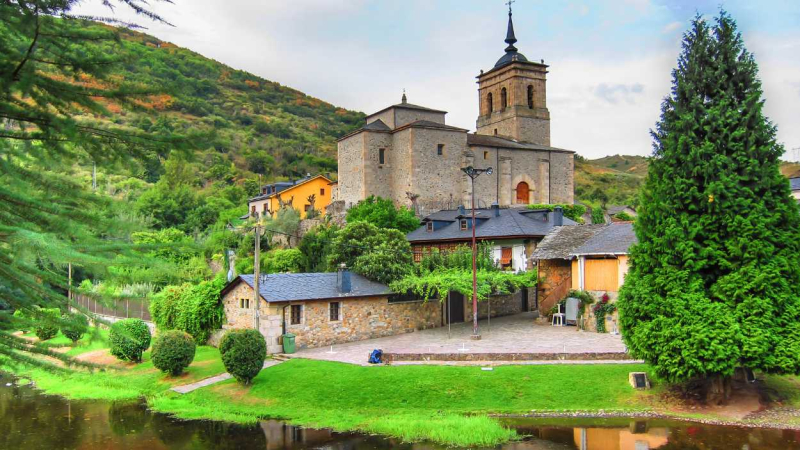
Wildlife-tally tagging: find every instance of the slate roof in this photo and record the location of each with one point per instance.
(428, 124)
(286, 287)
(512, 222)
(613, 239)
(616, 209)
(377, 125)
(409, 106)
(562, 241)
(794, 183)
(484, 140)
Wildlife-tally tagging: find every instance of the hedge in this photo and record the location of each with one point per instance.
(74, 326)
(47, 323)
(196, 310)
(129, 338)
(243, 353)
(173, 351)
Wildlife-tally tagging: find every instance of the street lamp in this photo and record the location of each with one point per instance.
(473, 173)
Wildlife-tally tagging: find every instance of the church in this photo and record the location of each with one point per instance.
(409, 154)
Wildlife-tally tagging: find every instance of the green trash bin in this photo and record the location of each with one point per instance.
(288, 343)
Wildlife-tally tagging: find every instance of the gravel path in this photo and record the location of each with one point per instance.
(186, 388)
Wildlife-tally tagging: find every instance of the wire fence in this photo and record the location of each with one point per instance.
(121, 308)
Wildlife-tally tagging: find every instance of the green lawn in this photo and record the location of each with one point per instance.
(95, 339)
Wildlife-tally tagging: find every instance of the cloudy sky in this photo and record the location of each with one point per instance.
(610, 60)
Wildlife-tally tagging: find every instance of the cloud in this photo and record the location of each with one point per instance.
(672, 26)
(613, 93)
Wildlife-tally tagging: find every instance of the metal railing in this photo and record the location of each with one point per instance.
(121, 308)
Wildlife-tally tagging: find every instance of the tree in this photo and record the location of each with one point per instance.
(715, 278)
(383, 213)
(50, 80)
(382, 255)
(316, 246)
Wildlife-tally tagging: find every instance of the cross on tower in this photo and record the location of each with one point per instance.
(508, 3)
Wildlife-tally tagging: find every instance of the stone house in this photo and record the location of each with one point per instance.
(324, 308)
(407, 152)
(794, 185)
(591, 258)
(295, 194)
(513, 232)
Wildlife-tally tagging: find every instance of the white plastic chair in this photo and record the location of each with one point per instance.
(558, 317)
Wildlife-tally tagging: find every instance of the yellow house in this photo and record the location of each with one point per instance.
(303, 195)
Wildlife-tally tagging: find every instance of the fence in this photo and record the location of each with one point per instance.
(120, 308)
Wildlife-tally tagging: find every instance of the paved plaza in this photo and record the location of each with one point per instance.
(519, 334)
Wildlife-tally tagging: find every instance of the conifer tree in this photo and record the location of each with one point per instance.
(715, 278)
(50, 120)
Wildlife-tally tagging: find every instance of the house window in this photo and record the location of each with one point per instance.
(440, 149)
(489, 102)
(463, 224)
(485, 155)
(322, 191)
(244, 303)
(505, 258)
(335, 308)
(253, 210)
(297, 315)
(265, 207)
(381, 156)
(530, 96)
(429, 226)
(503, 98)
(307, 208)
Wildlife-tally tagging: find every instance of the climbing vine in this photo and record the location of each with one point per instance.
(603, 308)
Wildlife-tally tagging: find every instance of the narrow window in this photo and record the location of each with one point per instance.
(265, 207)
(485, 155)
(530, 96)
(440, 149)
(381, 156)
(334, 310)
(429, 226)
(322, 191)
(505, 258)
(503, 98)
(307, 208)
(253, 210)
(297, 314)
(495, 131)
(463, 224)
(489, 102)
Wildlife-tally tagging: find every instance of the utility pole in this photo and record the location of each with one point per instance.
(473, 173)
(256, 275)
(69, 285)
(94, 176)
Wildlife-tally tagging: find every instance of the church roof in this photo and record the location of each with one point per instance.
(409, 106)
(512, 55)
(377, 125)
(429, 124)
(484, 140)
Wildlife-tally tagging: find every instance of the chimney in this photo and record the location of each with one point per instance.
(343, 283)
(496, 209)
(558, 216)
(461, 210)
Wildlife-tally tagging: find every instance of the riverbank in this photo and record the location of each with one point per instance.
(453, 405)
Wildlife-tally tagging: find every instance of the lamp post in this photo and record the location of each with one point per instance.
(473, 173)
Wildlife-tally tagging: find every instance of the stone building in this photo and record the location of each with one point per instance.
(408, 153)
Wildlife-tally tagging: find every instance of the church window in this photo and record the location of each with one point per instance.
(503, 98)
(381, 156)
(530, 96)
(489, 102)
(440, 149)
(495, 131)
(485, 155)
(523, 191)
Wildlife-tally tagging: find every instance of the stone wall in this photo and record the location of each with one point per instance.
(589, 321)
(555, 277)
(403, 116)
(501, 305)
(351, 169)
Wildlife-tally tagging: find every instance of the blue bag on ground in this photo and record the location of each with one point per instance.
(376, 357)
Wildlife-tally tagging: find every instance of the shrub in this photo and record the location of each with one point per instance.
(383, 213)
(193, 309)
(282, 260)
(74, 326)
(47, 323)
(23, 321)
(243, 353)
(574, 212)
(173, 351)
(129, 338)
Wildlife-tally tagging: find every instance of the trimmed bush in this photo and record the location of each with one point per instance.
(173, 351)
(74, 326)
(23, 320)
(129, 338)
(47, 323)
(243, 353)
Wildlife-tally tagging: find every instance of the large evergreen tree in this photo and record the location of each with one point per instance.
(715, 278)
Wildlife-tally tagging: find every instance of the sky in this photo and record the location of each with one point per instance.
(610, 60)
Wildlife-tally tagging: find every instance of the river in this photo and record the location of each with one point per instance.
(32, 420)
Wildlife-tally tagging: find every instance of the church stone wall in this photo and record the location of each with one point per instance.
(405, 116)
(351, 169)
(562, 189)
(436, 178)
(402, 168)
(386, 117)
(378, 177)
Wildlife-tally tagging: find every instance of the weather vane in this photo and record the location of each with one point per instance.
(509, 2)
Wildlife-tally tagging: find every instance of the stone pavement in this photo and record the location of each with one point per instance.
(519, 334)
(186, 388)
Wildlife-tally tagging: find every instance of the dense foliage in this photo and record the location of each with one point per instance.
(172, 351)
(383, 213)
(47, 323)
(282, 260)
(129, 338)
(74, 326)
(379, 254)
(316, 247)
(598, 216)
(197, 309)
(573, 212)
(714, 282)
(243, 353)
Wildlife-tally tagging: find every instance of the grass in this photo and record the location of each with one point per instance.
(95, 339)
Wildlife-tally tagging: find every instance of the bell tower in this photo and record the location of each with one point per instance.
(513, 96)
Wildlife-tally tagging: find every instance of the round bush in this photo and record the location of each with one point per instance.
(243, 353)
(129, 338)
(74, 326)
(172, 351)
(47, 323)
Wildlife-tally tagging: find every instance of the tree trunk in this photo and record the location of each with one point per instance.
(718, 389)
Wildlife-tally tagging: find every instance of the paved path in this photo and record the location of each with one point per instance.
(519, 333)
(186, 388)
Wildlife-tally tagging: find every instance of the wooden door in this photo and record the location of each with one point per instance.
(523, 191)
(456, 306)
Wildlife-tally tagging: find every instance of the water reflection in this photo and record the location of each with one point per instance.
(31, 420)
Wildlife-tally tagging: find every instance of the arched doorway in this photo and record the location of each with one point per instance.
(523, 191)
